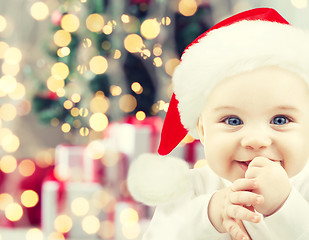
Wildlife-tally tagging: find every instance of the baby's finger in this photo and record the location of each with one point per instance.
(234, 230)
(259, 162)
(253, 172)
(242, 213)
(246, 198)
(243, 184)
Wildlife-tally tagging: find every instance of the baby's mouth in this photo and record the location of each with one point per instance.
(244, 164)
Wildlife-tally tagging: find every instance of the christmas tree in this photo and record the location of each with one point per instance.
(110, 59)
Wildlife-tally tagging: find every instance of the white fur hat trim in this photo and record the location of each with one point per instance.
(155, 180)
(237, 48)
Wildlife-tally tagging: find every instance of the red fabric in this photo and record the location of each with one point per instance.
(173, 131)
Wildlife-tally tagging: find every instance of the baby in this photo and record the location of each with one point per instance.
(242, 89)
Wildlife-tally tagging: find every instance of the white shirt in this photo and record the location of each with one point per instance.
(187, 219)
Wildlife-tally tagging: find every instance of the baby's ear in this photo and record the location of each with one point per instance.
(200, 129)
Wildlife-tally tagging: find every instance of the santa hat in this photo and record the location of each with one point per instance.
(246, 41)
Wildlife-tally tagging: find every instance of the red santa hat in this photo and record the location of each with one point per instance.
(243, 42)
(246, 41)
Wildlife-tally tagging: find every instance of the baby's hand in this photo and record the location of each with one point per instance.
(231, 205)
(272, 183)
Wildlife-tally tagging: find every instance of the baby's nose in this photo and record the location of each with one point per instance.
(256, 140)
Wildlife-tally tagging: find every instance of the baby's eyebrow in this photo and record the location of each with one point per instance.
(220, 108)
(287, 108)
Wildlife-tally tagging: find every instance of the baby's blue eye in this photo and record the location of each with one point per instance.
(280, 120)
(234, 121)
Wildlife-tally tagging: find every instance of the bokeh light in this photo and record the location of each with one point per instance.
(60, 70)
(129, 215)
(157, 61)
(115, 90)
(8, 164)
(98, 64)
(67, 104)
(99, 104)
(39, 11)
(83, 112)
(108, 28)
(95, 22)
(166, 21)
(91, 224)
(125, 18)
(8, 112)
(18, 93)
(26, 167)
(8, 84)
(140, 115)
(170, 65)
(75, 97)
(44, 158)
(96, 149)
(76, 123)
(150, 28)
(98, 122)
(87, 43)
(34, 234)
(10, 143)
(81, 68)
(14, 212)
(133, 43)
(187, 7)
(12, 55)
(63, 52)
(137, 88)
(127, 103)
(11, 69)
(62, 38)
(29, 198)
(157, 50)
(65, 127)
(84, 131)
(55, 84)
(117, 54)
(80, 206)
(63, 223)
(75, 112)
(70, 23)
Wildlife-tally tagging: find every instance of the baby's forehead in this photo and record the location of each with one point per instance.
(269, 83)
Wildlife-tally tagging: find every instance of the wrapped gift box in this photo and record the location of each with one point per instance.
(78, 203)
(133, 137)
(74, 163)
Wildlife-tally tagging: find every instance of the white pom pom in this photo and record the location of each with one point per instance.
(154, 180)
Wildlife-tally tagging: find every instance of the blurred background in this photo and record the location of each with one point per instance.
(84, 88)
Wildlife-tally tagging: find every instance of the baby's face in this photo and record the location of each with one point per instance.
(264, 112)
